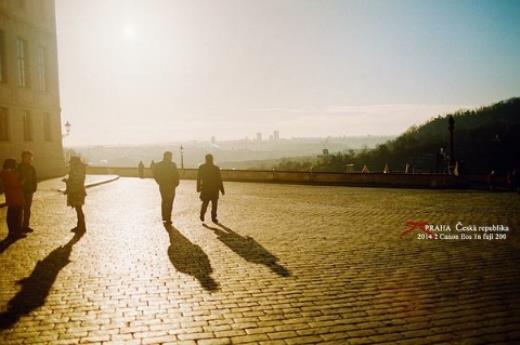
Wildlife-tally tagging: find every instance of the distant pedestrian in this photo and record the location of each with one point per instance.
(491, 180)
(512, 180)
(14, 197)
(166, 175)
(386, 169)
(29, 185)
(75, 191)
(140, 169)
(209, 184)
(461, 169)
(456, 169)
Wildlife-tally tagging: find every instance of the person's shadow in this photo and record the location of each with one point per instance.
(190, 259)
(248, 248)
(8, 241)
(36, 287)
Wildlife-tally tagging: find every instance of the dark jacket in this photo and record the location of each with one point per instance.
(209, 182)
(166, 175)
(28, 177)
(12, 188)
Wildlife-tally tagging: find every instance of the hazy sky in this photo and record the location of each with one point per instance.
(163, 70)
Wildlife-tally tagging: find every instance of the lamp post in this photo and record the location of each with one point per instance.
(182, 157)
(67, 129)
(63, 135)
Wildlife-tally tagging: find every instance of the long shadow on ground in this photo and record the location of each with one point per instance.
(36, 287)
(248, 248)
(190, 259)
(7, 242)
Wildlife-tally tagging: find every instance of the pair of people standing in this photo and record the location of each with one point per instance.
(209, 184)
(20, 183)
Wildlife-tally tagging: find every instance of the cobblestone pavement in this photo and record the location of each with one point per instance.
(290, 265)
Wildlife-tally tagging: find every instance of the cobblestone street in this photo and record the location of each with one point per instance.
(289, 265)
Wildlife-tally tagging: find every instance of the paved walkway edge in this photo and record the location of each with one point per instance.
(96, 183)
(88, 185)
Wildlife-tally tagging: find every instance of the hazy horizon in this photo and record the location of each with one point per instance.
(145, 72)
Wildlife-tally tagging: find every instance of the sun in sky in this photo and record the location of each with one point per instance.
(129, 32)
(184, 70)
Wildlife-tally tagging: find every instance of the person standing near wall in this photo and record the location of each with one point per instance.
(166, 175)
(29, 185)
(13, 197)
(209, 184)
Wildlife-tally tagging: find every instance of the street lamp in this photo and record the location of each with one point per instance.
(67, 129)
(63, 135)
(182, 157)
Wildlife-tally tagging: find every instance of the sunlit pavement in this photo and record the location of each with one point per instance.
(290, 265)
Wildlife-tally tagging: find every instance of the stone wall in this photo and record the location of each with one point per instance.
(315, 178)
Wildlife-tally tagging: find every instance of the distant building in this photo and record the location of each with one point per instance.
(276, 135)
(258, 136)
(29, 94)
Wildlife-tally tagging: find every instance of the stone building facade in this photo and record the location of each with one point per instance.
(29, 94)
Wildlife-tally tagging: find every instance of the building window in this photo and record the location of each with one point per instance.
(3, 67)
(4, 125)
(42, 69)
(22, 62)
(27, 126)
(47, 127)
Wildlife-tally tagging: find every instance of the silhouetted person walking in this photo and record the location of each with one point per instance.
(29, 186)
(13, 197)
(167, 177)
(209, 184)
(75, 191)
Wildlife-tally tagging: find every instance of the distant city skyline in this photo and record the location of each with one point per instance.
(228, 153)
(159, 70)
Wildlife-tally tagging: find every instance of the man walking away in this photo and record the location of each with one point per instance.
(29, 184)
(167, 177)
(209, 183)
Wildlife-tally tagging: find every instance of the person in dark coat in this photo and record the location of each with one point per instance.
(14, 197)
(209, 184)
(29, 185)
(75, 191)
(166, 175)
